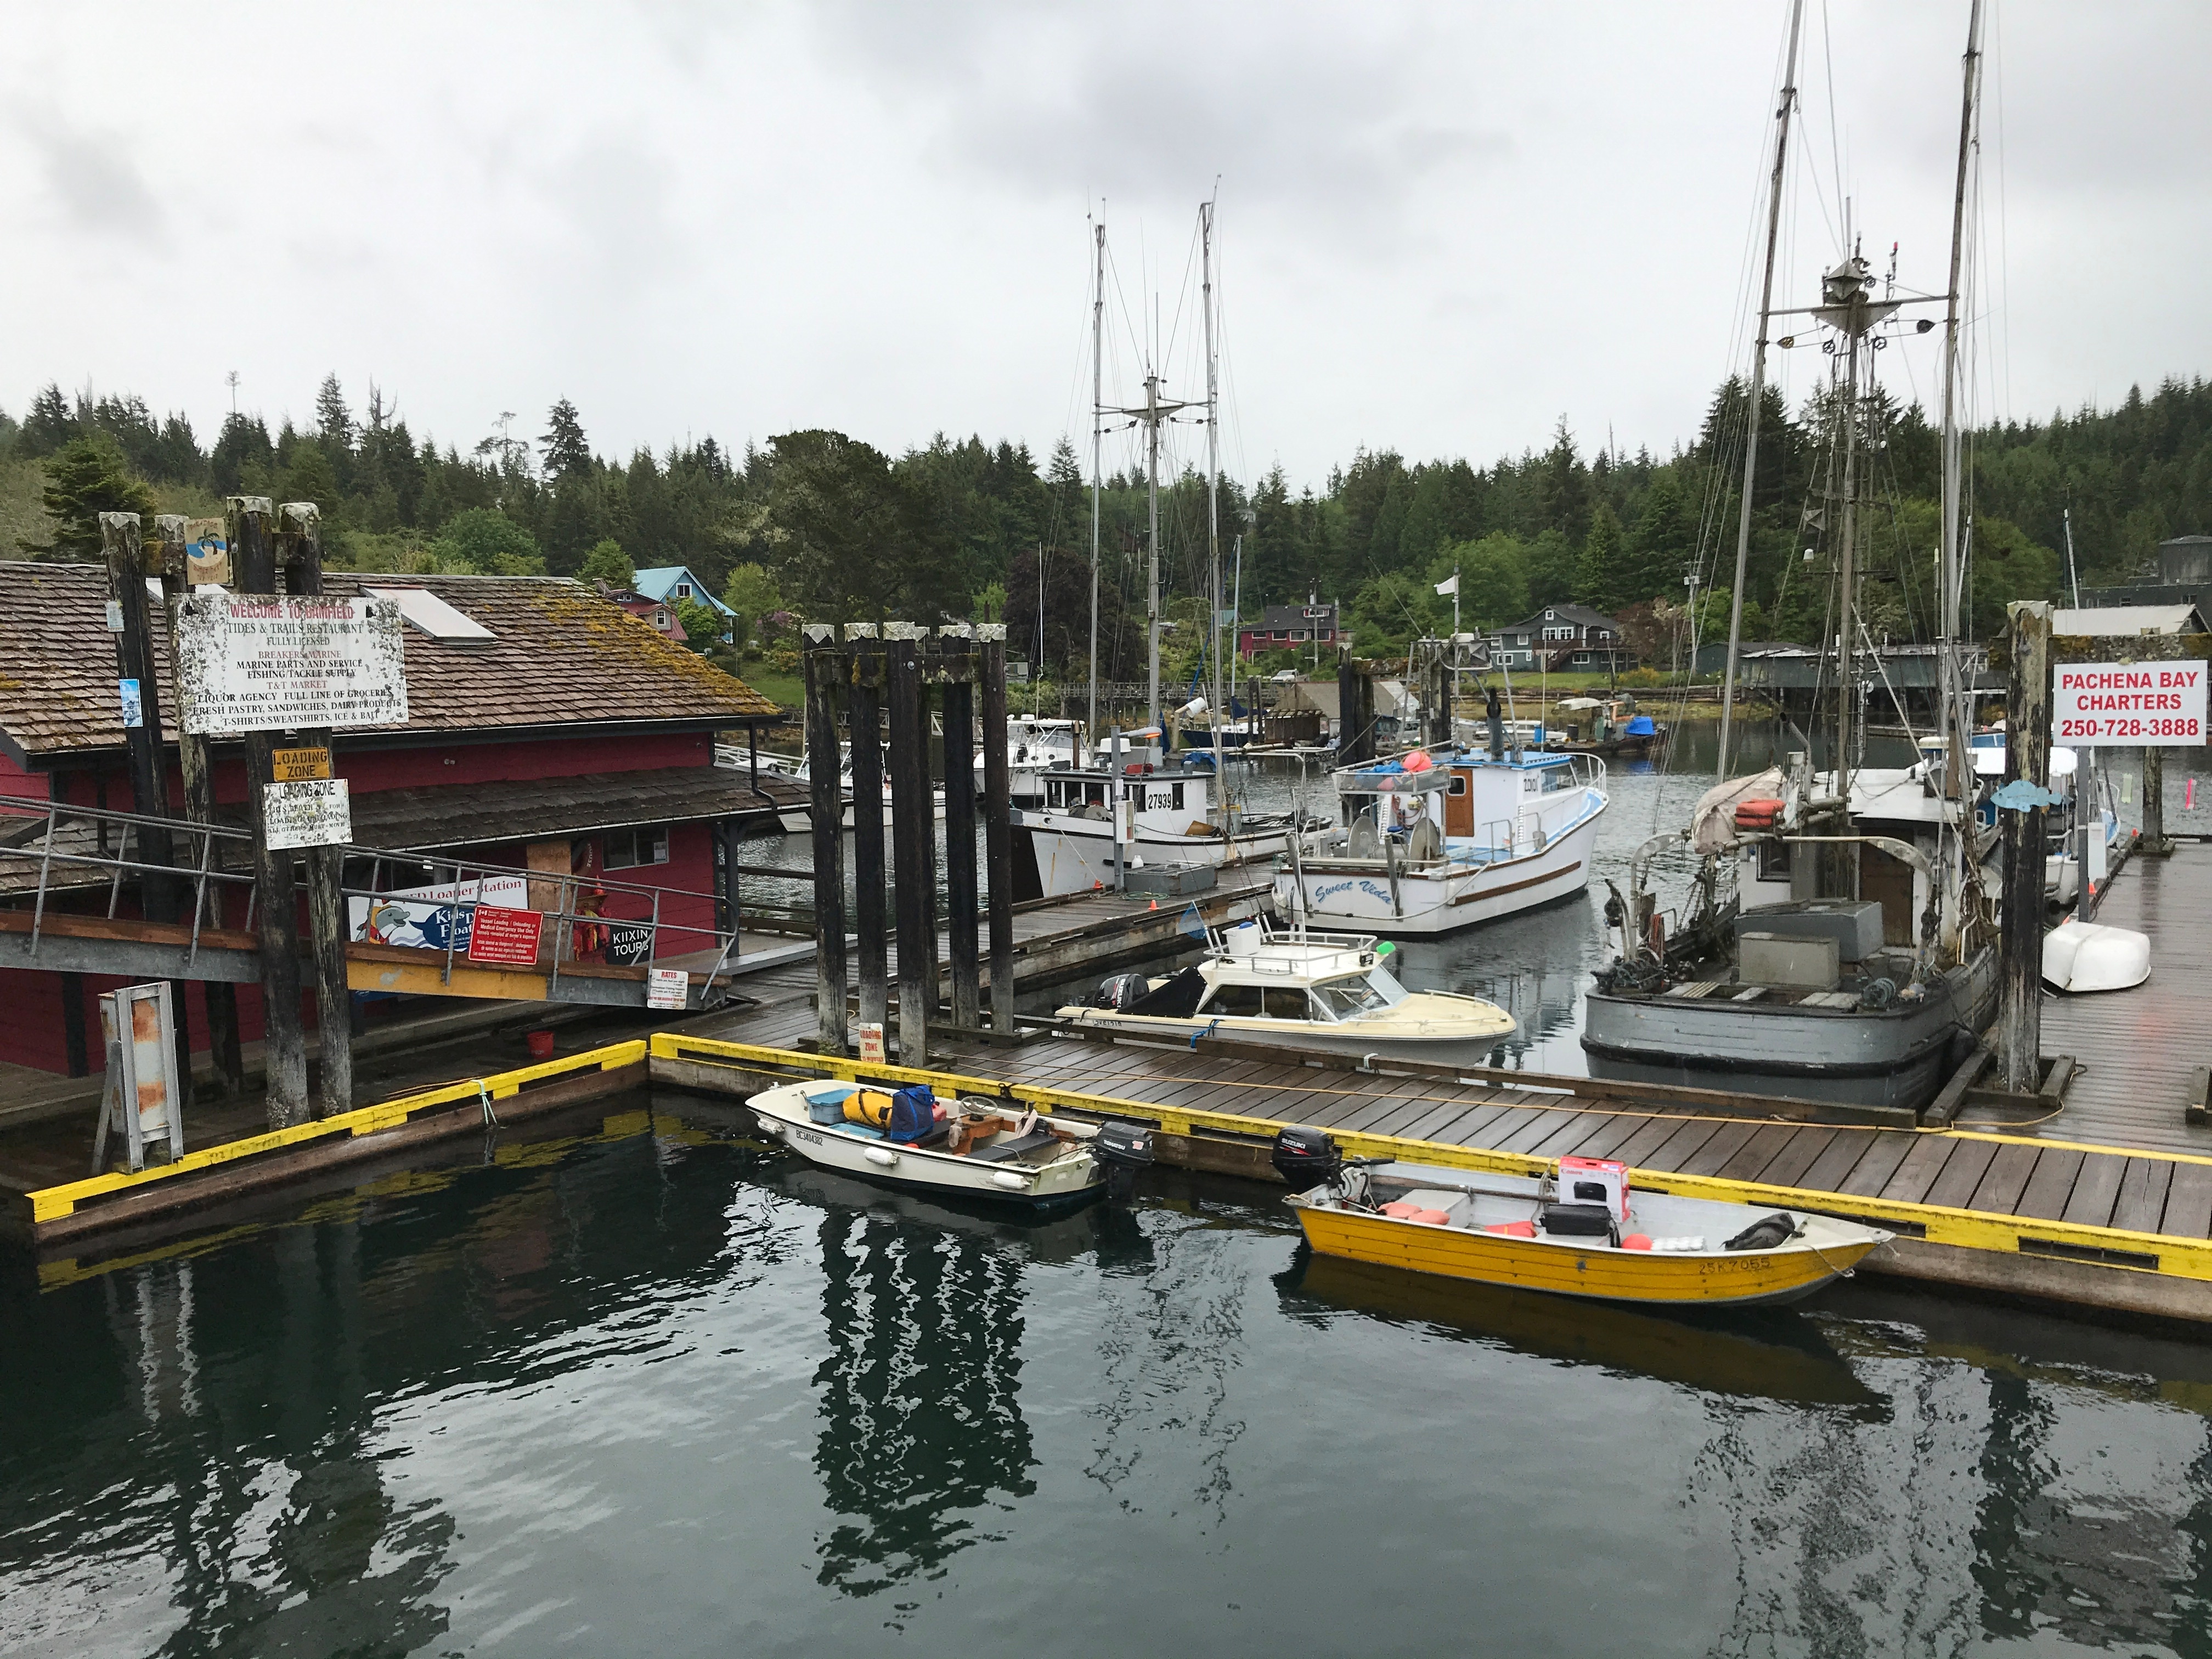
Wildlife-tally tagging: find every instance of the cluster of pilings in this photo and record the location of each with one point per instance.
(883, 679)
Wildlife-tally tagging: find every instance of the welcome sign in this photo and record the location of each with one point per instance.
(2128, 704)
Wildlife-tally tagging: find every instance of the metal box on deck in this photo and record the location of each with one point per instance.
(1854, 924)
(1170, 880)
(1797, 964)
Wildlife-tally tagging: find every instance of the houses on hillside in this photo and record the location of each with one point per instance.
(1561, 638)
(665, 585)
(547, 732)
(1288, 628)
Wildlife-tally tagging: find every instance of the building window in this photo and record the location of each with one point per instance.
(628, 848)
(683, 590)
(660, 620)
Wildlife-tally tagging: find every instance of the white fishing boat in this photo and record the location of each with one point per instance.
(1295, 989)
(977, 1149)
(1034, 747)
(1094, 824)
(799, 816)
(1429, 845)
(2085, 803)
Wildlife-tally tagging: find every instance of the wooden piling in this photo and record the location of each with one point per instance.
(869, 921)
(997, 832)
(956, 673)
(2155, 843)
(912, 841)
(253, 562)
(136, 659)
(197, 772)
(1355, 712)
(301, 524)
(825, 672)
(2027, 757)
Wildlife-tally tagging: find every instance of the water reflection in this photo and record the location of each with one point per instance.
(923, 1442)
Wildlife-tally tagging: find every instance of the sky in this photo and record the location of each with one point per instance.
(1439, 228)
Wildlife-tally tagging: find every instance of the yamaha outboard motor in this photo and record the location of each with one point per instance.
(1121, 1150)
(1305, 1157)
(1118, 991)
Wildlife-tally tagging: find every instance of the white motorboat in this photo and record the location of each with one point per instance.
(1163, 819)
(799, 818)
(1431, 846)
(2088, 956)
(1293, 988)
(969, 1148)
(1034, 747)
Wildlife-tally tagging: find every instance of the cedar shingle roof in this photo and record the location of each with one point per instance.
(559, 655)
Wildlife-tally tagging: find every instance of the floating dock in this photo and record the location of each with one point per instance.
(2105, 1205)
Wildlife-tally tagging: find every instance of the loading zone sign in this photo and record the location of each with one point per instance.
(248, 663)
(2160, 705)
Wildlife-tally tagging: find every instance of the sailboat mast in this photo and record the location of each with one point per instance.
(1845, 689)
(1949, 598)
(1757, 384)
(1097, 450)
(1212, 471)
(1153, 572)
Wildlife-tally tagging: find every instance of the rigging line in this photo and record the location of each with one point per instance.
(1835, 140)
(1182, 296)
(1121, 301)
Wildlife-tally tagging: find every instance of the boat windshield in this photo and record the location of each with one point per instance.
(1361, 993)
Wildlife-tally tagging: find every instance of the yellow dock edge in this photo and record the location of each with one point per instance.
(52, 1203)
(2163, 1255)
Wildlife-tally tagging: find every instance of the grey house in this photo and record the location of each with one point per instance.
(1565, 637)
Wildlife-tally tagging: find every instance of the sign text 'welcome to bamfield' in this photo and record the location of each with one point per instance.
(246, 663)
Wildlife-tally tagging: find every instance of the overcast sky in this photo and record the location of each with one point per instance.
(1440, 228)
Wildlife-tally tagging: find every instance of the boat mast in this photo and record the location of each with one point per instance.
(1212, 478)
(1955, 719)
(1847, 286)
(1097, 443)
(1758, 385)
(1152, 418)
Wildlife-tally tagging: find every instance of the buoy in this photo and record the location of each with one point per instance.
(1512, 1229)
(1429, 1217)
(1636, 1242)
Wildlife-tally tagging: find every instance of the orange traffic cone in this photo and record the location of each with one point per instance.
(1154, 905)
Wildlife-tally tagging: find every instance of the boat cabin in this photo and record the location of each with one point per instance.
(1083, 791)
(1477, 807)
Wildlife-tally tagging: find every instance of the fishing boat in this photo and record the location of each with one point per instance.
(1579, 1229)
(1429, 845)
(976, 1149)
(1035, 746)
(1836, 943)
(798, 817)
(1616, 731)
(1164, 820)
(1295, 989)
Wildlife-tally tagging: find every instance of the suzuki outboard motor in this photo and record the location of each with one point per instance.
(1121, 1150)
(1118, 991)
(1305, 1157)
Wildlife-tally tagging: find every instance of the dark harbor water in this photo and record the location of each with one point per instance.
(641, 1386)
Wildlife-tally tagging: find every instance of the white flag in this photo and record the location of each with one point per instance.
(1449, 589)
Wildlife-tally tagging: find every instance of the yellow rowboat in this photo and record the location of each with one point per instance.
(1604, 1241)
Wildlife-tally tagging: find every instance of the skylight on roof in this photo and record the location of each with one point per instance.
(426, 611)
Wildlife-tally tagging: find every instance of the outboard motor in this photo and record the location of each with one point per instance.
(1119, 991)
(1121, 1150)
(1305, 1157)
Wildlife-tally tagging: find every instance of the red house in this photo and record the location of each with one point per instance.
(548, 731)
(1288, 627)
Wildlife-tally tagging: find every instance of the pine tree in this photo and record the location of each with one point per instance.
(333, 420)
(607, 562)
(50, 422)
(86, 477)
(567, 454)
(1598, 570)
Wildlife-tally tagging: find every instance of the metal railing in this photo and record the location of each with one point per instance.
(66, 844)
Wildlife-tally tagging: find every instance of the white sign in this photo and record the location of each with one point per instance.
(254, 664)
(424, 917)
(2128, 704)
(318, 812)
(667, 988)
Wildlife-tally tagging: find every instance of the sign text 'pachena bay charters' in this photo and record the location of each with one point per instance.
(2096, 704)
(246, 663)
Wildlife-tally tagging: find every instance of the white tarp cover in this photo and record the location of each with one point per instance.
(1712, 823)
(246, 663)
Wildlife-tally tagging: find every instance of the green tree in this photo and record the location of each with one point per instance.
(86, 477)
(485, 540)
(1551, 568)
(311, 477)
(851, 540)
(567, 454)
(702, 623)
(607, 562)
(1661, 549)
(1493, 578)
(1598, 571)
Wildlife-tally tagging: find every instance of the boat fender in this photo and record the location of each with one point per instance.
(1768, 1232)
(1512, 1229)
(1400, 1211)
(883, 1157)
(1636, 1242)
(1010, 1180)
(1430, 1218)
(1685, 1244)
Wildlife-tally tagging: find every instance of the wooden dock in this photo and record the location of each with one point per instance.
(2105, 1205)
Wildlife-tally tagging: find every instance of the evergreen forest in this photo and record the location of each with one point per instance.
(817, 524)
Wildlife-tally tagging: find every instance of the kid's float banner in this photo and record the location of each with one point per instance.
(2128, 704)
(247, 663)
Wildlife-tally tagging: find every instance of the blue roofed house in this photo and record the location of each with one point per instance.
(666, 584)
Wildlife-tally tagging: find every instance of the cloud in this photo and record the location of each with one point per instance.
(93, 179)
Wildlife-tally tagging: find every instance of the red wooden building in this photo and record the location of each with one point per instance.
(548, 731)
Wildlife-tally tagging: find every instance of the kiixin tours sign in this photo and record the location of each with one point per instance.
(249, 663)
